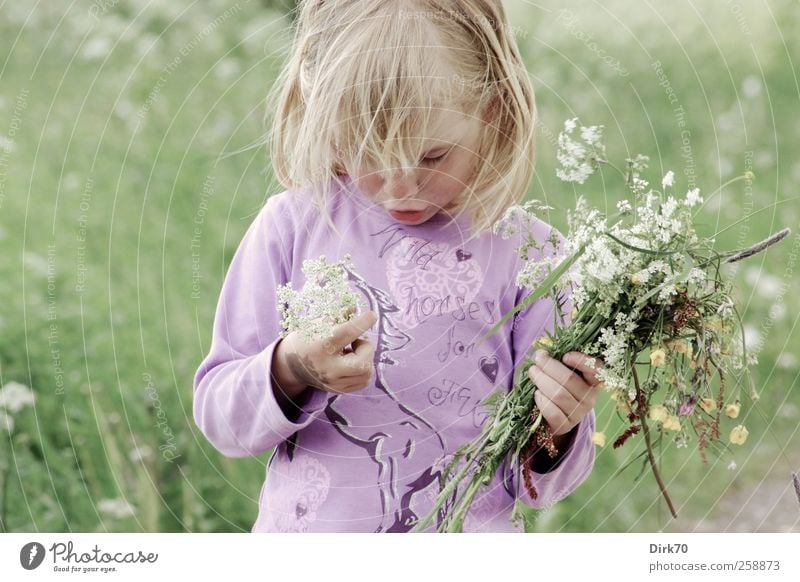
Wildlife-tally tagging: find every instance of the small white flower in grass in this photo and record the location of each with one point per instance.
(139, 454)
(624, 207)
(732, 466)
(15, 396)
(693, 197)
(325, 301)
(668, 179)
(117, 508)
(6, 422)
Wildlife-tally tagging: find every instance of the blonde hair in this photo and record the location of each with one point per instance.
(360, 76)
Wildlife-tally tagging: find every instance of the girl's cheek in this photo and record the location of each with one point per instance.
(369, 184)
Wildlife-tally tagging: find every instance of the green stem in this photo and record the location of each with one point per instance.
(747, 217)
(650, 455)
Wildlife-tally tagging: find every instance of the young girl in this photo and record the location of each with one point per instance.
(403, 132)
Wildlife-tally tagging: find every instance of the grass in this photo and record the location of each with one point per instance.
(115, 157)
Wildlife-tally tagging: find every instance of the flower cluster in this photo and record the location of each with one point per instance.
(579, 156)
(649, 298)
(325, 300)
(13, 398)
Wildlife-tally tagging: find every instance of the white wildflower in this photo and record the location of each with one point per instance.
(519, 218)
(579, 159)
(725, 308)
(6, 422)
(668, 179)
(15, 396)
(139, 454)
(326, 300)
(624, 207)
(693, 197)
(117, 508)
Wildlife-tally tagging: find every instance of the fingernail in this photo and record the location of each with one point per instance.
(539, 356)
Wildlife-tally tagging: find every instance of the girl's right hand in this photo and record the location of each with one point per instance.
(341, 363)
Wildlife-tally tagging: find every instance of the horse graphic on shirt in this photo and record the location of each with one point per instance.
(392, 447)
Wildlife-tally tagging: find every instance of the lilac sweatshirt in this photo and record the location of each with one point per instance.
(370, 461)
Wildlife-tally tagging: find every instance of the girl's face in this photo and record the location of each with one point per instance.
(440, 177)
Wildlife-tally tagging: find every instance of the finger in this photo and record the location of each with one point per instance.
(562, 375)
(359, 361)
(557, 394)
(586, 365)
(346, 333)
(558, 422)
(553, 368)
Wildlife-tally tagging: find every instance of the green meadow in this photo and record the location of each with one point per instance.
(130, 170)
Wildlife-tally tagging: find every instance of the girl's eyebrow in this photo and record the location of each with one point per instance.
(442, 143)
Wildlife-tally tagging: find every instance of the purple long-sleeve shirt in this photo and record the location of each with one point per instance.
(370, 460)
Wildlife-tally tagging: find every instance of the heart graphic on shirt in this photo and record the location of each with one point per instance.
(463, 255)
(489, 367)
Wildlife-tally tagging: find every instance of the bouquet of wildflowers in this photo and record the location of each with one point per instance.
(326, 300)
(649, 298)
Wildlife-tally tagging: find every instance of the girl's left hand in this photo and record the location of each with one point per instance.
(563, 396)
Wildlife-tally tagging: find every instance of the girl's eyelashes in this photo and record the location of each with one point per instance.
(435, 159)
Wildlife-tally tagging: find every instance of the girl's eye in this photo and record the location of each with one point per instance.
(435, 159)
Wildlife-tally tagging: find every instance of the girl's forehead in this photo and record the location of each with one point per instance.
(448, 126)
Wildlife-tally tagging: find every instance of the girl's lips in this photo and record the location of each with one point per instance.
(407, 215)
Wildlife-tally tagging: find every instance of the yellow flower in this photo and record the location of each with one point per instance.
(658, 413)
(738, 435)
(636, 279)
(679, 347)
(573, 315)
(671, 423)
(657, 358)
(545, 341)
(624, 406)
(732, 410)
(599, 439)
(708, 404)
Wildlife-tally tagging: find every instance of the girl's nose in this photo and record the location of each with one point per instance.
(401, 186)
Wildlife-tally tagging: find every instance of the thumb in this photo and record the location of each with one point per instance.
(346, 333)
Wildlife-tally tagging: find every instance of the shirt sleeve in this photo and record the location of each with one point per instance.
(575, 464)
(234, 401)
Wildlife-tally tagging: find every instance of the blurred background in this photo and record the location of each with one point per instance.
(128, 178)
